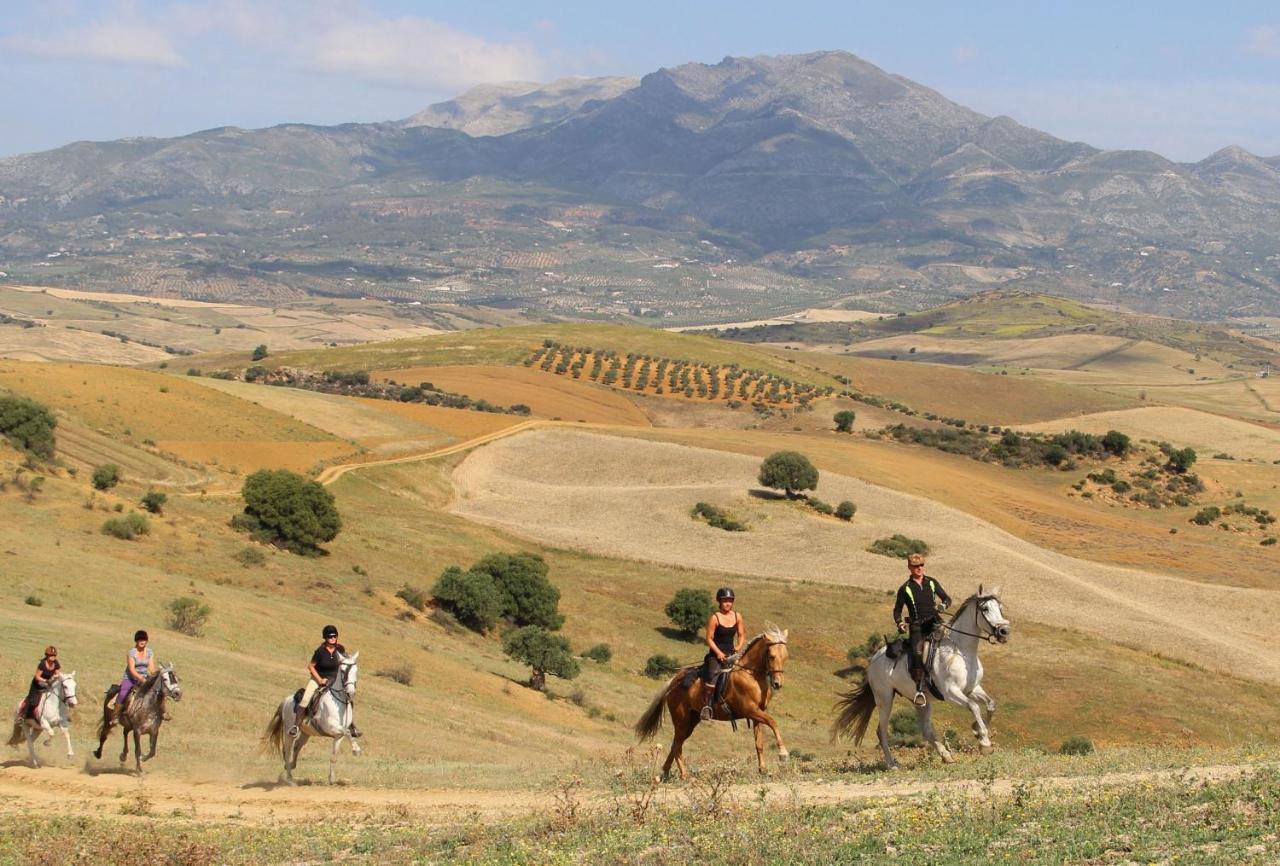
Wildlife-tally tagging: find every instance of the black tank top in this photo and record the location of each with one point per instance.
(723, 637)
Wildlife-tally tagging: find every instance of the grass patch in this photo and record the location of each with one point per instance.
(898, 546)
(128, 527)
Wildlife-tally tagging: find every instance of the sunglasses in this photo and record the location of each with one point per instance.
(914, 567)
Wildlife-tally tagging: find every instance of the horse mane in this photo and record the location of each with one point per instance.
(771, 634)
(973, 599)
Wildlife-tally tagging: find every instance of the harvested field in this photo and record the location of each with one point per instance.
(548, 395)
(1208, 434)
(251, 455)
(630, 498)
(66, 344)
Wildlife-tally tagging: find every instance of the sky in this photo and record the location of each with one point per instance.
(1173, 76)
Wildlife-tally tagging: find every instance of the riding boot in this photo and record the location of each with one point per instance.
(708, 696)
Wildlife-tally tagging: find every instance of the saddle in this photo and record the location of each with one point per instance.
(315, 699)
(694, 674)
(897, 648)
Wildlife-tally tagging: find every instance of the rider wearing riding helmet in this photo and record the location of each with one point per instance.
(916, 595)
(139, 664)
(725, 635)
(326, 661)
(46, 670)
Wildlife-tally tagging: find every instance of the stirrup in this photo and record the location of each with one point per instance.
(294, 732)
(707, 713)
(355, 734)
(920, 700)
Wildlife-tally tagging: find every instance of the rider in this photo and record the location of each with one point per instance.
(139, 664)
(725, 634)
(324, 666)
(46, 670)
(917, 596)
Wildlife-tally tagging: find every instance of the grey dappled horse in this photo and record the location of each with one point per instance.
(332, 717)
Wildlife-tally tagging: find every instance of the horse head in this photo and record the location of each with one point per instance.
(776, 652)
(169, 685)
(66, 686)
(349, 671)
(991, 616)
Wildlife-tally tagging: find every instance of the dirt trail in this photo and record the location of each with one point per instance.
(115, 793)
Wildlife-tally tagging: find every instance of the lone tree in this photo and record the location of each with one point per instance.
(543, 651)
(1180, 459)
(844, 420)
(259, 352)
(1116, 443)
(790, 471)
(520, 580)
(689, 610)
(289, 510)
(28, 425)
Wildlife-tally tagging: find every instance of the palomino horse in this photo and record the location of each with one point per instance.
(144, 714)
(956, 672)
(54, 712)
(756, 674)
(333, 716)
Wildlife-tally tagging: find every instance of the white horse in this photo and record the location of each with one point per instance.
(54, 712)
(332, 717)
(955, 671)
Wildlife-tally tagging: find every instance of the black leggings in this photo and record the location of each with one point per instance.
(33, 695)
(916, 638)
(710, 668)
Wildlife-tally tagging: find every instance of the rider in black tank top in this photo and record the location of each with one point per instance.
(722, 640)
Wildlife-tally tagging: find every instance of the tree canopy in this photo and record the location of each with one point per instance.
(689, 610)
(28, 425)
(296, 513)
(544, 652)
(790, 471)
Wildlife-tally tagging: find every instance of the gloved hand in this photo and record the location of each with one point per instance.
(902, 628)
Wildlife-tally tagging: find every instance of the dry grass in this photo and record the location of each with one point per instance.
(549, 396)
(1208, 434)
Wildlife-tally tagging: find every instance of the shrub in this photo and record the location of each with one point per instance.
(527, 596)
(297, 514)
(689, 610)
(250, 557)
(867, 648)
(898, 546)
(412, 596)
(1266, 542)
(1076, 746)
(904, 729)
(845, 510)
(1121, 486)
(254, 373)
(259, 352)
(154, 501)
(789, 471)
(717, 518)
(470, 596)
(1207, 515)
(660, 665)
(34, 601)
(128, 527)
(599, 653)
(402, 674)
(544, 652)
(188, 615)
(821, 507)
(28, 425)
(844, 420)
(1116, 443)
(106, 476)
(1180, 460)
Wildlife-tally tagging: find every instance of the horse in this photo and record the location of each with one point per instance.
(144, 714)
(54, 711)
(757, 673)
(333, 716)
(955, 671)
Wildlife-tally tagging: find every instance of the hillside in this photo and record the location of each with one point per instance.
(748, 188)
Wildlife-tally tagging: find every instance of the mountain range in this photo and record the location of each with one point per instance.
(754, 183)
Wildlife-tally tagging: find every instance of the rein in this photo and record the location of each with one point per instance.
(989, 637)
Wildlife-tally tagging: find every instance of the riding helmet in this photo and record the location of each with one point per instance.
(140, 634)
(724, 593)
(329, 631)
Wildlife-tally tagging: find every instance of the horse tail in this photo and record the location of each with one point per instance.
(855, 709)
(17, 736)
(652, 718)
(273, 736)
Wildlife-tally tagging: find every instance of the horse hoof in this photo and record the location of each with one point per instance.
(986, 749)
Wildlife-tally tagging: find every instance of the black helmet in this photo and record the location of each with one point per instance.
(329, 631)
(140, 635)
(724, 593)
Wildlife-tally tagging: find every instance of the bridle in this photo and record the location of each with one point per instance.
(339, 689)
(989, 634)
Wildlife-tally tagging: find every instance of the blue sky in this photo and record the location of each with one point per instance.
(1172, 77)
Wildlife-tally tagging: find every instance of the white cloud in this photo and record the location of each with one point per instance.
(130, 42)
(1184, 121)
(1263, 40)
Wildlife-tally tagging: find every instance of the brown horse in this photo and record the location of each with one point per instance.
(756, 675)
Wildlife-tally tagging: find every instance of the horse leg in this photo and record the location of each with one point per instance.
(884, 703)
(333, 758)
(682, 725)
(31, 746)
(46, 730)
(124, 751)
(760, 748)
(760, 717)
(980, 694)
(137, 750)
(151, 752)
(66, 732)
(925, 717)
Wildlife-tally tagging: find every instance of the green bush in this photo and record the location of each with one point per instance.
(599, 653)
(250, 557)
(154, 501)
(470, 596)
(904, 729)
(689, 611)
(898, 546)
(789, 471)
(106, 476)
(867, 648)
(1268, 541)
(717, 518)
(821, 507)
(188, 616)
(528, 597)
(412, 596)
(1180, 460)
(1076, 746)
(297, 514)
(844, 420)
(1115, 442)
(128, 527)
(34, 601)
(845, 510)
(28, 426)
(544, 652)
(1206, 515)
(660, 665)
(259, 352)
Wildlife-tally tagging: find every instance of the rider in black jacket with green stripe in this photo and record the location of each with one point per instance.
(916, 596)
